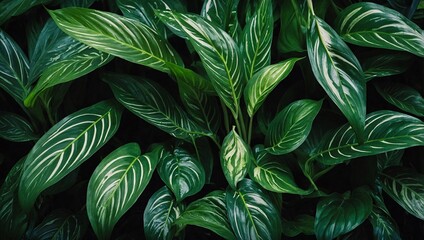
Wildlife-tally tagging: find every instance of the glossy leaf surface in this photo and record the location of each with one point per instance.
(58, 225)
(15, 128)
(10, 8)
(384, 226)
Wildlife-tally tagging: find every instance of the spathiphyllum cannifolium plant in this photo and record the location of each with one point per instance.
(211, 119)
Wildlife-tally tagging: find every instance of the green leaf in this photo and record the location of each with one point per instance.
(192, 79)
(384, 130)
(386, 65)
(291, 38)
(402, 96)
(406, 188)
(209, 212)
(251, 213)
(338, 214)
(182, 173)
(160, 213)
(338, 72)
(116, 184)
(219, 54)
(236, 158)
(147, 100)
(384, 226)
(264, 81)
(76, 3)
(300, 224)
(58, 225)
(119, 36)
(223, 13)
(372, 25)
(389, 159)
(65, 146)
(11, 8)
(15, 128)
(206, 157)
(291, 126)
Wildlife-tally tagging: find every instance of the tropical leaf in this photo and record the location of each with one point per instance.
(291, 38)
(11, 8)
(384, 130)
(338, 214)
(389, 159)
(209, 212)
(206, 157)
(160, 213)
(264, 81)
(152, 103)
(76, 3)
(65, 146)
(300, 224)
(406, 188)
(119, 36)
(384, 226)
(117, 183)
(182, 173)
(218, 51)
(191, 78)
(338, 72)
(58, 225)
(373, 25)
(386, 65)
(251, 213)
(15, 128)
(223, 13)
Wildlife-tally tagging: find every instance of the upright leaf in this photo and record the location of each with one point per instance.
(58, 225)
(65, 146)
(373, 25)
(11, 8)
(222, 13)
(15, 128)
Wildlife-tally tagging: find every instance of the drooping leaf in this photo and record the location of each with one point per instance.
(264, 81)
(386, 65)
(116, 184)
(209, 212)
(373, 25)
(15, 128)
(152, 103)
(389, 159)
(251, 213)
(384, 130)
(182, 173)
(338, 72)
(300, 224)
(119, 36)
(291, 126)
(58, 225)
(406, 187)
(11, 8)
(65, 146)
(160, 213)
(338, 214)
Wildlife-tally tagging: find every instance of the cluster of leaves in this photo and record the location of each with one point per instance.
(333, 151)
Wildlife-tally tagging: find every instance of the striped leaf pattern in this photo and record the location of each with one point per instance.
(119, 36)
(264, 81)
(58, 225)
(219, 53)
(384, 130)
(152, 103)
(386, 65)
(209, 212)
(223, 13)
(192, 79)
(10, 8)
(406, 187)
(373, 25)
(66, 146)
(15, 128)
(251, 213)
(338, 71)
(384, 226)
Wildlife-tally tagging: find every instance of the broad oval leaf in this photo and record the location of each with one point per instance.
(182, 173)
(338, 72)
(10, 8)
(251, 213)
(387, 64)
(116, 184)
(373, 25)
(15, 128)
(264, 81)
(338, 214)
(209, 212)
(406, 188)
(291, 126)
(119, 36)
(58, 225)
(160, 214)
(384, 130)
(65, 146)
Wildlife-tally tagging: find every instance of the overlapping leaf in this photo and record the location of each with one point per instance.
(15, 128)
(291, 38)
(389, 159)
(300, 224)
(66, 146)
(58, 225)
(373, 25)
(76, 3)
(223, 13)
(10, 8)
(386, 65)
(384, 226)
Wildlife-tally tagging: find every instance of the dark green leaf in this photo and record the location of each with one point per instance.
(11, 8)
(57, 226)
(300, 224)
(386, 65)
(222, 13)
(206, 157)
(15, 128)
(389, 159)
(76, 3)
(291, 38)
(384, 226)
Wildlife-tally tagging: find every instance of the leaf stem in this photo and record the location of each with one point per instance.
(242, 125)
(249, 131)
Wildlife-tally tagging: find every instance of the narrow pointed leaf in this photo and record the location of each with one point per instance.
(373, 25)
(11, 8)
(384, 226)
(119, 36)
(223, 13)
(65, 146)
(58, 225)
(338, 72)
(15, 128)
(386, 65)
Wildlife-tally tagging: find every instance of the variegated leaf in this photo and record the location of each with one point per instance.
(10, 8)
(223, 13)
(384, 226)
(386, 65)
(15, 128)
(192, 79)
(65, 146)
(58, 225)
(76, 3)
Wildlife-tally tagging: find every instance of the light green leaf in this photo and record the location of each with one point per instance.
(15, 128)
(182, 173)
(373, 25)
(11, 8)
(264, 81)
(119, 36)
(389, 159)
(147, 100)
(65, 146)
(406, 187)
(384, 130)
(209, 212)
(58, 225)
(338, 214)
(291, 126)
(160, 213)
(251, 213)
(386, 65)
(338, 72)
(116, 184)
